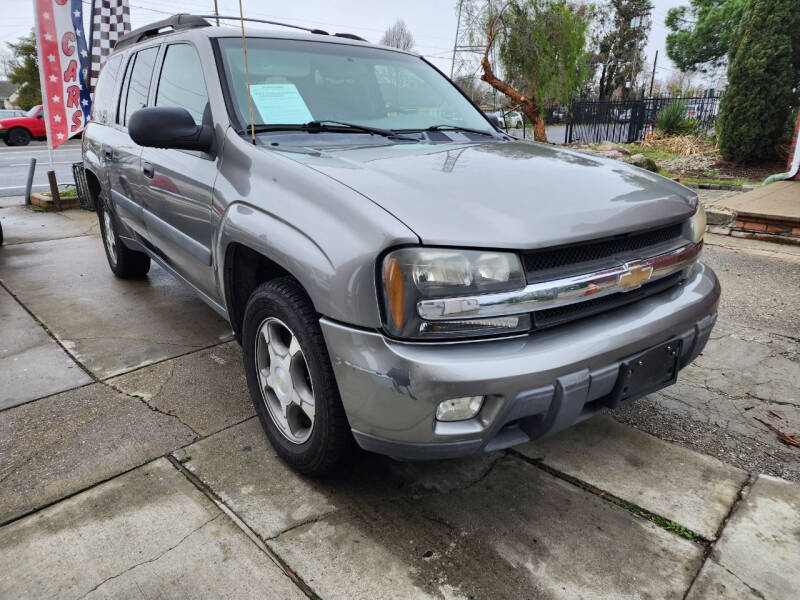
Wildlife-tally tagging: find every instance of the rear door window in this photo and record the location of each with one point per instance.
(181, 82)
(136, 88)
(103, 106)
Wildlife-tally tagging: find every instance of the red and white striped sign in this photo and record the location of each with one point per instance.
(63, 67)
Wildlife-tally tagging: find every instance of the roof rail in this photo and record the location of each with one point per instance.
(186, 21)
(173, 23)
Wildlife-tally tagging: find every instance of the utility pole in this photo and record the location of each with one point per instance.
(653, 76)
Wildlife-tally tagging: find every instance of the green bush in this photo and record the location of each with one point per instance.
(755, 107)
(671, 120)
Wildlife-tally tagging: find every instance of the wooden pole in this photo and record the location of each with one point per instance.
(653, 76)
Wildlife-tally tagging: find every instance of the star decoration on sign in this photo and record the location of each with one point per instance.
(48, 37)
(51, 57)
(77, 13)
(85, 102)
(78, 32)
(84, 53)
(53, 78)
(57, 118)
(56, 99)
(46, 15)
(60, 136)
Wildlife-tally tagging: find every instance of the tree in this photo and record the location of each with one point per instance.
(398, 36)
(762, 75)
(701, 33)
(23, 69)
(542, 49)
(622, 27)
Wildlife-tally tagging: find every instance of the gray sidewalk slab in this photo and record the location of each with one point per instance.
(692, 489)
(59, 445)
(241, 467)
(32, 365)
(145, 534)
(206, 389)
(758, 554)
(109, 325)
(22, 225)
(6, 201)
(517, 533)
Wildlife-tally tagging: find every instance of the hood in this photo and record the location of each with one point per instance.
(504, 194)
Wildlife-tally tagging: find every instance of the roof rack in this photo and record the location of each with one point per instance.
(173, 23)
(349, 36)
(186, 21)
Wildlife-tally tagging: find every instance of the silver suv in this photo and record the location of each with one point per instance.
(399, 272)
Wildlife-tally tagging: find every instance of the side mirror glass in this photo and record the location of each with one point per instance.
(169, 127)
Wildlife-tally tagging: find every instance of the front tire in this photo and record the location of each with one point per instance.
(124, 262)
(290, 378)
(18, 137)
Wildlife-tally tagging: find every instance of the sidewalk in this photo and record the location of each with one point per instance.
(131, 465)
(769, 213)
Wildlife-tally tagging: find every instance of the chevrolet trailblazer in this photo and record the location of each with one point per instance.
(400, 273)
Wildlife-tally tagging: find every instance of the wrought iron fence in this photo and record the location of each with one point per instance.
(626, 121)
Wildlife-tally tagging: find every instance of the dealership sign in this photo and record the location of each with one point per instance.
(63, 67)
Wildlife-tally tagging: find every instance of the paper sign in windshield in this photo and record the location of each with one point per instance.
(280, 103)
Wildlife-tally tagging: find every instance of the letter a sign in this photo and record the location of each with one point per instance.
(63, 67)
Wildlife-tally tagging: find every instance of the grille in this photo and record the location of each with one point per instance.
(541, 265)
(556, 316)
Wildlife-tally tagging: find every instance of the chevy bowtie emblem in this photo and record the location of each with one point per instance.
(634, 277)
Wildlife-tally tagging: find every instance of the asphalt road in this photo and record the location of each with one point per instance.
(15, 161)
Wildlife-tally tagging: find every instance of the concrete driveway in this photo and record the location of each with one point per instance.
(131, 464)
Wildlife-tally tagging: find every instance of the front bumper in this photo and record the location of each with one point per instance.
(534, 385)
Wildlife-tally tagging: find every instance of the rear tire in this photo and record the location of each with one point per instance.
(290, 377)
(124, 262)
(18, 137)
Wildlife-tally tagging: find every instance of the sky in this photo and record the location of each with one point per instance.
(432, 22)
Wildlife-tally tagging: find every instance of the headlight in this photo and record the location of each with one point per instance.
(413, 274)
(697, 224)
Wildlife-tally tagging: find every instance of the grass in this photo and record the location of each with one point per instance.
(709, 180)
(68, 193)
(672, 526)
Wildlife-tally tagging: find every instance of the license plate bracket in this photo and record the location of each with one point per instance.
(647, 372)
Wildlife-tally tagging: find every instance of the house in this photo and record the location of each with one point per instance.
(8, 94)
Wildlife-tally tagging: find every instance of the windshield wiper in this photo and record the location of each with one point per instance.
(458, 128)
(339, 126)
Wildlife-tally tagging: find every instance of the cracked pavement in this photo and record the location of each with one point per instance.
(131, 463)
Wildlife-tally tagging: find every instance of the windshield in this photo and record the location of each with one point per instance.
(32, 112)
(294, 82)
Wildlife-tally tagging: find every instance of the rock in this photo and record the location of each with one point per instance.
(605, 146)
(641, 161)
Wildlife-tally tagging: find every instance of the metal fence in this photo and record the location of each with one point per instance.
(626, 121)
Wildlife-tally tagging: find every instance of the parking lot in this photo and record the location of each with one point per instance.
(132, 465)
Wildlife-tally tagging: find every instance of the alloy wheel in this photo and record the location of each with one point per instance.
(284, 380)
(108, 236)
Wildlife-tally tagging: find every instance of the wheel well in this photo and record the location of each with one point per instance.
(245, 270)
(94, 188)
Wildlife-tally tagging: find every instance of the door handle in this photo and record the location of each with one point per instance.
(148, 170)
(108, 153)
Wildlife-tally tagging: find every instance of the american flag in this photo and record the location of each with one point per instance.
(111, 19)
(63, 67)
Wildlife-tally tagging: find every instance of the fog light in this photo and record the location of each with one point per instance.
(459, 409)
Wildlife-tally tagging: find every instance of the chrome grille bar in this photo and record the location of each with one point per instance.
(562, 292)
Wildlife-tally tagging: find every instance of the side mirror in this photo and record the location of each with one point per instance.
(169, 127)
(40, 116)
